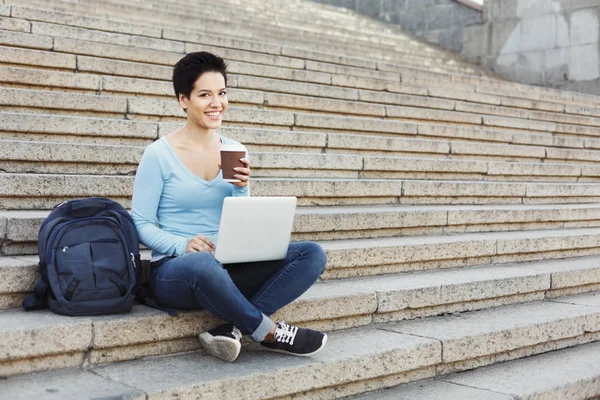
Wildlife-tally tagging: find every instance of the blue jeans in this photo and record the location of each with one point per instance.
(244, 294)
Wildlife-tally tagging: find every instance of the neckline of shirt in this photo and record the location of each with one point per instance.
(186, 169)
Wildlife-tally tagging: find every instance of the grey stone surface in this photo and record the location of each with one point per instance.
(505, 328)
(24, 39)
(353, 218)
(76, 125)
(373, 252)
(405, 100)
(569, 273)
(106, 37)
(28, 57)
(137, 86)
(440, 188)
(65, 185)
(363, 353)
(562, 374)
(441, 17)
(248, 56)
(18, 275)
(387, 144)
(21, 332)
(433, 390)
(432, 115)
(582, 189)
(65, 101)
(59, 152)
(354, 124)
(426, 289)
(121, 52)
(327, 57)
(326, 188)
(124, 68)
(62, 18)
(268, 137)
(583, 62)
(14, 24)
(481, 149)
(251, 82)
(589, 299)
(49, 78)
(584, 26)
(256, 116)
(428, 165)
(22, 226)
(339, 69)
(519, 123)
(540, 42)
(313, 162)
(521, 169)
(63, 385)
(220, 41)
(478, 134)
(323, 105)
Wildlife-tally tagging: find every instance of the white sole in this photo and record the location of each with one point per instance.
(224, 348)
(300, 355)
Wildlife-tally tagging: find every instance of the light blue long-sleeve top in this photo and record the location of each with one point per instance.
(171, 204)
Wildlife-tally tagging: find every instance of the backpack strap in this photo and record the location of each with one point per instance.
(142, 294)
(38, 300)
(150, 302)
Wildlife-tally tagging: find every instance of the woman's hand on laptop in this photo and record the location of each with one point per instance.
(243, 174)
(200, 243)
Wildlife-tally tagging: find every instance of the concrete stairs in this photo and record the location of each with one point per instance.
(459, 212)
(562, 374)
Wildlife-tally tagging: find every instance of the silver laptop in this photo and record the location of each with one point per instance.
(255, 229)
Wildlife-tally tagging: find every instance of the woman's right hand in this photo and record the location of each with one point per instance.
(200, 243)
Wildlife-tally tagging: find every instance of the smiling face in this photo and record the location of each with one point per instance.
(207, 102)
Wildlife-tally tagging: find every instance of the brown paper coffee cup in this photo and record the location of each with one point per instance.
(230, 159)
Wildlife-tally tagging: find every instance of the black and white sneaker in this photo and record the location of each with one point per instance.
(223, 342)
(290, 339)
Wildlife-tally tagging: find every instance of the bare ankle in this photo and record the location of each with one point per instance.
(271, 335)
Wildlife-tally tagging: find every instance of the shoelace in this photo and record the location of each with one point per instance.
(237, 333)
(285, 333)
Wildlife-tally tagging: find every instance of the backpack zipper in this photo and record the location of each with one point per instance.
(65, 248)
(55, 233)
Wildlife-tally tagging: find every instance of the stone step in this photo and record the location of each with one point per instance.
(53, 128)
(476, 115)
(368, 257)
(60, 24)
(43, 127)
(137, 86)
(329, 305)
(69, 44)
(239, 50)
(69, 158)
(139, 54)
(18, 99)
(35, 191)
(385, 355)
(365, 51)
(561, 94)
(570, 373)
(361, 257)
(308, 130)
(214, 17)
(19, 229)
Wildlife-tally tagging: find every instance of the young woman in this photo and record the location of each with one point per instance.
(177, 202)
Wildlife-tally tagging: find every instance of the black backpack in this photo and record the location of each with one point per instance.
(89, 259)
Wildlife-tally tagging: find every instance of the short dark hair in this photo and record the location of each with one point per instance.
(187, 70)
